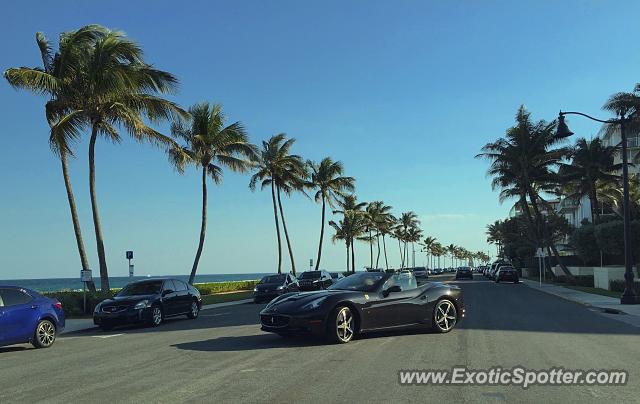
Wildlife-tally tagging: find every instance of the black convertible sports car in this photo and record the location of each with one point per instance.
(363, 302)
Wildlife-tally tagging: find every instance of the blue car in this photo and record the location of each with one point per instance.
(27, 316)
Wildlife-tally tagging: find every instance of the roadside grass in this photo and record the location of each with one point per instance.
(226, 297)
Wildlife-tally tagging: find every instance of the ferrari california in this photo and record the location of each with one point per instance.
(365, 302)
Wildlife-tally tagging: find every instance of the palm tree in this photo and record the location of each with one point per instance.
(385, 227)
(55, 79)
(522, 166)
(111, 87)
(378, 215)
(413, 235)
(327, 179)
(210, 146)
(428, 244)
(451, 249)
(592, 163)
(342, 233)
(280, 170)
(408, 220)
(353, 215)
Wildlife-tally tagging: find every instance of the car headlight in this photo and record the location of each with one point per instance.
(97, 308)
(255, 289)
(141, 305)
(314, 304)
(280, 287)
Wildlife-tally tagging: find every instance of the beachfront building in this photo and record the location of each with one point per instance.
(633, 149)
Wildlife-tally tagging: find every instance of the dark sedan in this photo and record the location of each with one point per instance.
(464, 273)
(314, 280)
(365, 302)
(506, 273)
(149, 301)
(274, 285)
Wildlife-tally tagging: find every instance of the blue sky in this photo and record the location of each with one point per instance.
(403, 93)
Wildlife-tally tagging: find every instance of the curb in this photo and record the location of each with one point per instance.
(607, 310)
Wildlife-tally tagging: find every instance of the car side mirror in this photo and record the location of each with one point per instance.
(391, 289)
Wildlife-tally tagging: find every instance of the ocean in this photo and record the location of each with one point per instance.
(56, 284)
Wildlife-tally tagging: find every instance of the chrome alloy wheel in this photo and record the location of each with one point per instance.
(156, 316)
(344, 325)
(194, 310)
(445, 315)
(46, 333)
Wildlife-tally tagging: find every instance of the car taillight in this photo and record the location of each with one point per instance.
(58, 305)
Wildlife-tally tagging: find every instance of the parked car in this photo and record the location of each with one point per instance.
(314, 280)
(507, 273)
(28, 317)
(148, 301)
(336, 276)
(274, 285)
(420, 272)
(464, 272)
(364, 302)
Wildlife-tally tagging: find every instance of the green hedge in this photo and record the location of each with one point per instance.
(218, 287)
(618, 285)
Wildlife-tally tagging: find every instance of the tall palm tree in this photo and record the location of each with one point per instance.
(400, 235)
(56, 79)
(112, 88)
(342, 233)
(413, 235)
(378, 215)
(408, 220)
(428, 244)
(385, 227)
(591, 163)
(327, 178)
(452, 249)
(277, 168)
(523, 166)
(209, 145)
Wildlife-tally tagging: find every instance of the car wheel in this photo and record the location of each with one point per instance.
(45, 334)
(341, 325)
(195, 310)
(156, 316)
(445, 316)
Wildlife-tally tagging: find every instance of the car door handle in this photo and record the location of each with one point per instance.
(34, 307)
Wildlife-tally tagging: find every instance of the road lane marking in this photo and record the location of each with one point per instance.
(213, 315)
(106, 336)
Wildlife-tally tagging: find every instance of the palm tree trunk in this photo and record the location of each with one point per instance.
(275, 215)
(384, 246)
(203, 227)
(378, 246)
(286, 234)
(104, 273)
(74, 218)
(347, 243)
(321, 235)
(593, 197)
(370, 249)
(353, 257)
(401, 255)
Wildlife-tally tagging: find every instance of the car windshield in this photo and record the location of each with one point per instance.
(141, 288)
(273, 279)
(310, 275)
(363, 282)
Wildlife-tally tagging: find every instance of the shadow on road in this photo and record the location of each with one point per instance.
(249, 343)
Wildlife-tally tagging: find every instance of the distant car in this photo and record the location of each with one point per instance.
(420, 272)
(495, 269)
(364, 302)
(27, 316)
(405, 272)
(464, 272)
(314, 280)
(336, 276)
(148, 301)
(274, 285)
(507, 273)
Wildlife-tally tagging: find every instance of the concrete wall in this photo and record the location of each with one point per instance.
(575, 271)
(602, 276)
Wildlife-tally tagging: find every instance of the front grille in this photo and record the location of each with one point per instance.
(114, 309)
(274, 321)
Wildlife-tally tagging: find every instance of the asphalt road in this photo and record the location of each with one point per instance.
(224, 357)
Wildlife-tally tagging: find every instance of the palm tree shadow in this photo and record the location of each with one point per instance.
(13, 349)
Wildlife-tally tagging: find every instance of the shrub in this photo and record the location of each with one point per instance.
(582, 280)
(72, 302)
(584, 241)
(218, 287)
(618, 285)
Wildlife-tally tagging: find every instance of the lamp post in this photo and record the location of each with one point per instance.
(630, 295)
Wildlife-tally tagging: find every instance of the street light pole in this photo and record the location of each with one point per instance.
(630, 295)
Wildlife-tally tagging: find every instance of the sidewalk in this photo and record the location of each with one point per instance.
(603, 303)
(79, 324)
